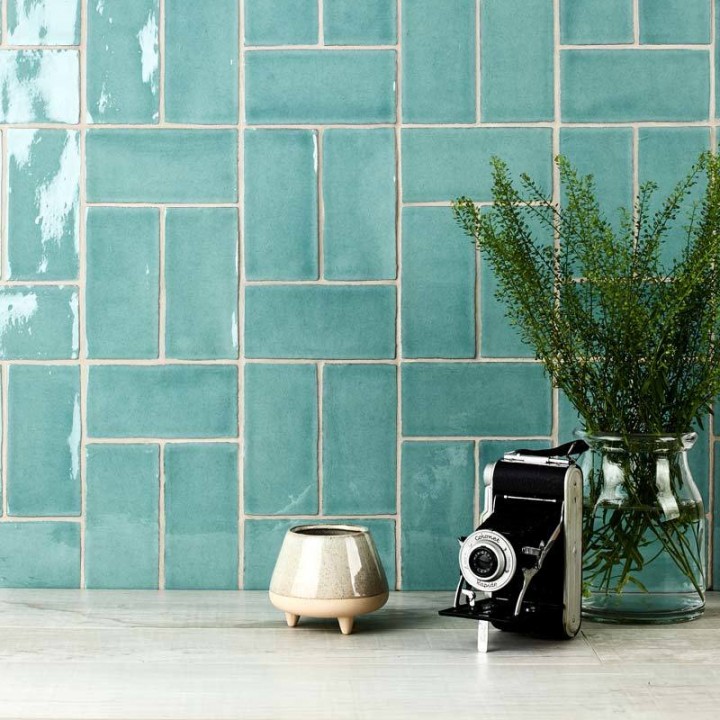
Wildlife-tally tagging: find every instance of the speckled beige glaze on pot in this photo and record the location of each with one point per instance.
(328, 571)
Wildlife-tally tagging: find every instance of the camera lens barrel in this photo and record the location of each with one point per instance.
(487, 560)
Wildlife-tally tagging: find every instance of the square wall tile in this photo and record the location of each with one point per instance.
(517, 60)
(281, 434)
(201, 62)
(281, 205)
(121, 526)
(40, 555)
(281, 22)
(438, 57)
(475, 399)
(162, 401)
(201, 283)
(359, 204)
(123, 61)
(371, 22)
(438, 485)
(43, 22)
(122, 282)
(39, 86)
(263, 540)
(44, 429)
(338, 321)
(438, 285)
(675, 21)
(43, 224)
(589, 22)
(201, 516)
(359, 439)
(317, 86)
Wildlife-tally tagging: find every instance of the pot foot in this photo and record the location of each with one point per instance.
(346, 625)
(291, 619)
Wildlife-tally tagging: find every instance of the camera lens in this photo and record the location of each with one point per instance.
(484, 562)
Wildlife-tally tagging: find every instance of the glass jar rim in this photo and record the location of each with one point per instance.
(685, 440)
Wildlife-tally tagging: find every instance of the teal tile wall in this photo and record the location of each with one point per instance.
(232, 294)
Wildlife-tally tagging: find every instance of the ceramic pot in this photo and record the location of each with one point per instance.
(330, 571)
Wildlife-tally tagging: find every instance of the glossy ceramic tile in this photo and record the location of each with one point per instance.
(445, 163)
(201, 516)
(122, 282)
(359, 439)
(438, 56)
(43, 22)
(438, 481)
(39, 86)
(632, 85)
(589, 22)
(342, 321)
(281, 440)
(201, 61)
(372, 22)
(201, 283)
(358, 187)
(123, 82)
(438, 286)
(281, 22)
(675, 21)
(40, 554)
(309, 86)
(162, 166)
(263, 539)
(39, 322)
(44, 428)
(281, 164)
(43, 225)
(121, 535)
(517, 53)
(168, 401)
(475, 399)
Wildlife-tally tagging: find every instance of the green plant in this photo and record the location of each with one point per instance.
(632, 338)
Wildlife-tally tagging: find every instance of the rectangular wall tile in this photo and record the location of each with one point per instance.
(122, 283)
(162, 166)
(201, 283)
(359, 203)
(371, 22)
(281, 205)
(123, 82)
(162, 401)
(675, 21)
(359, 439)
(121, 527)
(44, 429)
(281, 22)
(201, 516)
(517, 60)
(201, 61)
(344, 321)
(475, 399)
(438, 286)
(634, 85)
(40, 555)
(39, 86)
(443, 164)
(263, 539)
(43, 22)
(589, 22)
(438, 481)
(439, 83)
(39, 322)
(315, 86)
(43, 168)
(281, 428)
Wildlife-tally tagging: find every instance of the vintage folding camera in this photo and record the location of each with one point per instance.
(521, 568)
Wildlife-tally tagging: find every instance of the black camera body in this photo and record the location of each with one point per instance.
(521, 568)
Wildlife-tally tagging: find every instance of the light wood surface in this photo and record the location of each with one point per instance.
(108, 654)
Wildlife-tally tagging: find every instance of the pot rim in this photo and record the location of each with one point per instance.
(328, 532)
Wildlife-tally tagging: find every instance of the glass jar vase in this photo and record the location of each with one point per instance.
(644, 539)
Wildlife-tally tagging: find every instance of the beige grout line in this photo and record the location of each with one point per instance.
(712, 493)
(320, 379)
(161, 516)
(4, 215)
(5, 381)
(478, 67)
(43, 518)
(162, 290)
(556, 126)
(321, 24)
(4, 23)
(636, 22)
(318, 139)
(476, 484)
(161, 64)
(634, 46)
